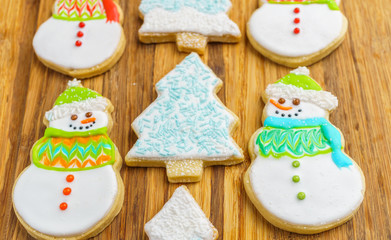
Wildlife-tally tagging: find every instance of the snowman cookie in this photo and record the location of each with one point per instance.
(296, 32)
(187, 127)
(300, 179)
(72, 189)
(191, 24)
(83, 38)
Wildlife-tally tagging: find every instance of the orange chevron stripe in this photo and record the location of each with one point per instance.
(102, 159)
(56, 140)
(74, 163)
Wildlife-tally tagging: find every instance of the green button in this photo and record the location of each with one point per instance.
(296, 179)
(296, 164)
(301, 196)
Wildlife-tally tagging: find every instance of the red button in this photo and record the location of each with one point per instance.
(63, 206)
(67, 191)
(78, 43)
(82, 24)
(80, 34)
(296, 31)
(296, 10)
(297, 20)
(70, 178)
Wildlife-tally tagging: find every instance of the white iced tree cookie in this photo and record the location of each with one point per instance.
(180, 218)
(72, 189)
(191, 24)
(187, 127)
(300, 179)
(83, 38)
(296, 32)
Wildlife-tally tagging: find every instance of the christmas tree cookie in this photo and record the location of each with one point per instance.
(300, 179)
(187, 127)
(296, 32)
(83, 38)
(72, 189)
(191, 24)
(181, 218)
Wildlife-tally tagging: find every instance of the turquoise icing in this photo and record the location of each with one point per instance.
(205, 6)
(329, 131)
(186, 118)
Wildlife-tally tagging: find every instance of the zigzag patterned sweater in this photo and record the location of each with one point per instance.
(73, 151)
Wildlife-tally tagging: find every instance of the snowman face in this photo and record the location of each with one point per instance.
(81, 122)
(293, 109)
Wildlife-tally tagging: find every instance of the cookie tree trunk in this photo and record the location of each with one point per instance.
(188, 170)
(191, 42)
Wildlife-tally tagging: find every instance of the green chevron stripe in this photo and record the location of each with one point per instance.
(295, 143)
(82, 151)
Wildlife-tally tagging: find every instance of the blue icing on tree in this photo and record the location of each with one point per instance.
(186, 120)
(205, 6)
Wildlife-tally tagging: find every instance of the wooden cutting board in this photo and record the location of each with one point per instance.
(358, 72)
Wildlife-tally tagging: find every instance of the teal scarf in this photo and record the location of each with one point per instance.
(329, 132)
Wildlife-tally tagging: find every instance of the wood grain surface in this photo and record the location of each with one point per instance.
(358, 72)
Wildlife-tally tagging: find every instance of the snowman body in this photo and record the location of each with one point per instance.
(72, 186)
(295, 30)
(300, 179)
(78, 36)
(39, 192)
(331, 193)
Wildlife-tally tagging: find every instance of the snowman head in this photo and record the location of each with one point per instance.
(79, 109)
(297, 96)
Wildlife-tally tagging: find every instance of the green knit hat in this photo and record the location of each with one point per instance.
(76, 99)
(298, 84)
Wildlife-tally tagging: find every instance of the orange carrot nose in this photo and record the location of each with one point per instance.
(279, 105)
(88, 120)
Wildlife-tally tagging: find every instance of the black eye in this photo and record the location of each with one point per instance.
(296, 101)
(281, 101)
(74, 117)
(89, 114)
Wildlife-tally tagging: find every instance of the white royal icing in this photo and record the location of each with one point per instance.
(186, 121)
(301, 71)
(188, 19)
(323, 99)
(65, 110)
(74, 83)
(69, 125)
(272, 27)
(302, 111)
(332, 193)
(55, 42)
(180, 218)
(39, 192)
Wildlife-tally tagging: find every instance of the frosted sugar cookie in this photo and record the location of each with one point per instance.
(191, 24)
(187, 127)
(181, 218)
(72, 189)
(83, 38)
(300, 178)
(296, 32)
